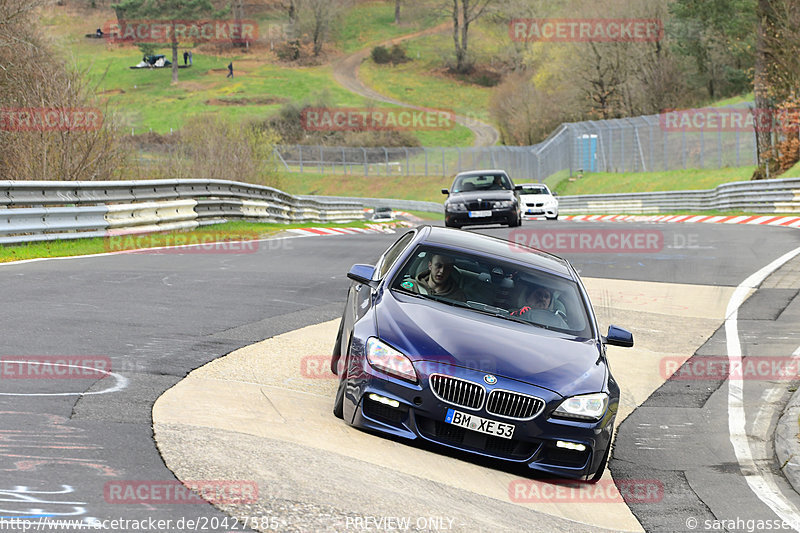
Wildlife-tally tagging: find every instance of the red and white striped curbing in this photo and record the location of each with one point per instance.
(371, 228)
(770, 220)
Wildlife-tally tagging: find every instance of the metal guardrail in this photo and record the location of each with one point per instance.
(53, 210)
(762, 196)
(401, 205)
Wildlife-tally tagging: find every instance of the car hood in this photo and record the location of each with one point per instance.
(470, 196)
(434, 331)
(538, 198)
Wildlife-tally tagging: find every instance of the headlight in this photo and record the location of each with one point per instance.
(584, 407)
(456, 207)
(383, 357)
(503, 205)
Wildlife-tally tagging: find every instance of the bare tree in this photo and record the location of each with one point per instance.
(317, 17)
(463, 13)
(33, 80)
(397, 11)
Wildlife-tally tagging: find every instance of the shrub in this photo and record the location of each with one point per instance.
(381, 55)
(398, 54)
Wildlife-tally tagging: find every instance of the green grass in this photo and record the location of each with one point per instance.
(733, 100)
(146, 100)
(674, 180)
(232, 231)
(422, 81)
(369, 24)
(427, 188)
(793, 172)
(426, 215)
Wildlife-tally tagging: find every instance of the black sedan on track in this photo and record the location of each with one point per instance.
(482, 197)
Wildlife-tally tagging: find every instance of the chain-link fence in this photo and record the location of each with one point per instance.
(640, 144)
(417, 161)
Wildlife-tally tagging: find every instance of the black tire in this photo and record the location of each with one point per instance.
(338, 403)
(516, 222)
(337, 348)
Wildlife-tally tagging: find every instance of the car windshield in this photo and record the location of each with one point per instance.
(518, 293)
(534, 190)
(487, 182)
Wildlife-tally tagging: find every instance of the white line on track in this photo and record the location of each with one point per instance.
(141, 250)
(122, 383)
(759, 483)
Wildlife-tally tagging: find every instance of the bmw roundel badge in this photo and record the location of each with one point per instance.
(489, 379)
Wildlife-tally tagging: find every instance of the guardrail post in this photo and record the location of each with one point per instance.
(300, 146)
(683, 147)
(702, 148)
(366, 162)
(407, 163)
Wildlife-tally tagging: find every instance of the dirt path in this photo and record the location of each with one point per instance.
(345, 71)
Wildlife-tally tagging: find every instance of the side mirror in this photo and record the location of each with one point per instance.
(362, 274)
(555, 194)
(517, 187)
(445, 191)
(618, 337)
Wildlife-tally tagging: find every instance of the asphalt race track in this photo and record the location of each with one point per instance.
(69, 438)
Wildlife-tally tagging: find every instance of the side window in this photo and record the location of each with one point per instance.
(390, 257)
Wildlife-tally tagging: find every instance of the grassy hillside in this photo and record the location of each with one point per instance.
(674, 180)
(147, 101)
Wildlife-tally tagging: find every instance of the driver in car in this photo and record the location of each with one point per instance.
(437, 280)
(539, 298)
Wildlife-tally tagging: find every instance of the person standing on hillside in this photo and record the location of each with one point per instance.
(230, 70)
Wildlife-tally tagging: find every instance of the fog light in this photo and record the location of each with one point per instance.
(570, 446)
(384, 400)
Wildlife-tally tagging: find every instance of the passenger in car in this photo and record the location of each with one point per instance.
(438, 279)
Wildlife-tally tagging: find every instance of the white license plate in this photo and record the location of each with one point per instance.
(481, 425)
(479, 214)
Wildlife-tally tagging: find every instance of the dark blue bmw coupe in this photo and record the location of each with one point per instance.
(482, 345)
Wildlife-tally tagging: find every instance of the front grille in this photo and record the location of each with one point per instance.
(513, 404)
(539, 204)
(479, 206)
(457, 391)
(473, 441)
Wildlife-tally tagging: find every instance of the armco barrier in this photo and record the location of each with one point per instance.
(402, 205)
(762, 196)
(53, 210)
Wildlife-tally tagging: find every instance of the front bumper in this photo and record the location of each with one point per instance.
(420, 416)
(499, 216)
(529, 213)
